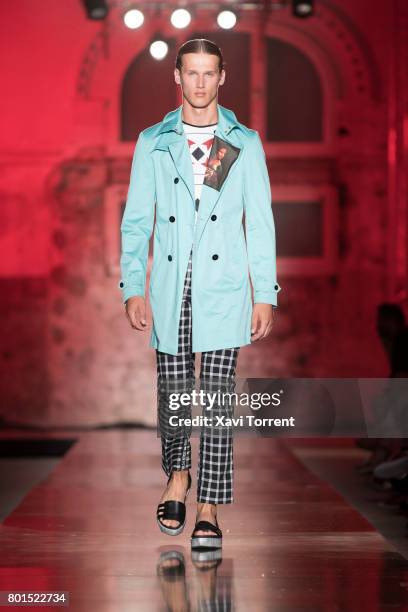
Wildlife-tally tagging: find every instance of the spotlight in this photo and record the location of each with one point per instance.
(95, 9)
(302, 8)
(180, 18)
(158, 49)
(226, 19)
(133, 18)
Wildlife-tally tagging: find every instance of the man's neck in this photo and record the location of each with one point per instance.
(199, 116)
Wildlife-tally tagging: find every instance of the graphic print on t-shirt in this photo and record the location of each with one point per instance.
(222, 156)
(199, 140)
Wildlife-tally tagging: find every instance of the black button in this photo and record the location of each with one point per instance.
(176, 180)
(169, 257)
(121, 284)
(276, 287)
(213, 217)
(215, 256)
(172, 219)
(197, 203)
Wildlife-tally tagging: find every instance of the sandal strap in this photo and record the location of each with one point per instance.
(207, 526)
(172, 510)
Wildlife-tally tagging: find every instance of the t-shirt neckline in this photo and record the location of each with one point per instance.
(194, 125)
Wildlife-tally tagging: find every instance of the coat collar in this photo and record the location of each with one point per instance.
(173, 121)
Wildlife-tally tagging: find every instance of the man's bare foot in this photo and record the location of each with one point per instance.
(176, 490)
(205, 512)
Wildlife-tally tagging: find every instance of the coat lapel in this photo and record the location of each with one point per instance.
(180, 154)
(177, 146)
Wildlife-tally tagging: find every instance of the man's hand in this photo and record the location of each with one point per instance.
(262, 321)
(136, 312)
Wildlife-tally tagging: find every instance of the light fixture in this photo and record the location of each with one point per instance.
(180, 18)
(226, 19)
(302, 8)
(96, 9)
(133, 18)
(158, 49)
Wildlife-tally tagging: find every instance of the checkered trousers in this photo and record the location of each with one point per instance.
(176, 374)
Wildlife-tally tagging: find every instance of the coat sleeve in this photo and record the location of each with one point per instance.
(259, 224)
(137, 222)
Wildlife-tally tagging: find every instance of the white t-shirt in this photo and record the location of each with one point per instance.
(200, 139)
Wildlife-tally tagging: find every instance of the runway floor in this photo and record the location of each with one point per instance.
(291, 542)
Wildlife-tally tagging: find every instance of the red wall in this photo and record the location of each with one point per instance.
(66, 340)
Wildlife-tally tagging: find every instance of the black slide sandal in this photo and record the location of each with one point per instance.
(207, 541)
(173, 510)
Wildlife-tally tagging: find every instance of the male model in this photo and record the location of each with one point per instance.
(202, 171)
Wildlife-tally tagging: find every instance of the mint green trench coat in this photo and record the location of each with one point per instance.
(162, 186)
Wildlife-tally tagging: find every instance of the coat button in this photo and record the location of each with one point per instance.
(215, 256)
(172, 219)
(176, 180)
(213, 217)
(121, 284)
(276, 287)
(169, 257)
(197, 203)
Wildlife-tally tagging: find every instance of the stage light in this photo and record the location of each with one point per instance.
(133, 18)
(180, 18)
(158, 49)
(226, 19)
(95, 9)
(302, 8)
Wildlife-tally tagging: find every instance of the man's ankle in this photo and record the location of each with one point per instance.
(179, 475)
(204, 507)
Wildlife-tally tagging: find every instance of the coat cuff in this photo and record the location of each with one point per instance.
(129, 291)
(267, 297)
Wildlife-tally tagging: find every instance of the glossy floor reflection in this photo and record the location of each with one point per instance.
(291, 543)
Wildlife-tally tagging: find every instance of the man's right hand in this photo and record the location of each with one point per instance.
(136, 312)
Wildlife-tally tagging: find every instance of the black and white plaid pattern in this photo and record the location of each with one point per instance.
(176, 373)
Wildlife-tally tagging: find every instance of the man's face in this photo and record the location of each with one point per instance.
(221, 153)
(199, 78)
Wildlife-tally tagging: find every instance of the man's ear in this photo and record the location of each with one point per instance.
(222, 79)
(177, 76)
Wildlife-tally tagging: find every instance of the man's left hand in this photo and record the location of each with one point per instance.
(262, 321)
